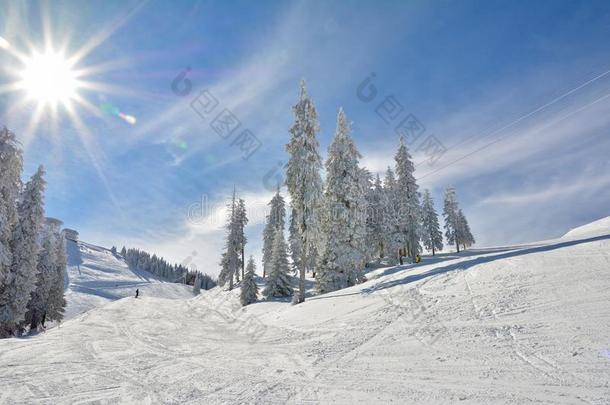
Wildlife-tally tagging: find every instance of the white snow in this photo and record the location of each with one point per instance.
(103, 277)
(595, 228)
(523, 324)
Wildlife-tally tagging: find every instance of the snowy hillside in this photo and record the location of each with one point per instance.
(518, 325)
(596, 228)
(95, 277)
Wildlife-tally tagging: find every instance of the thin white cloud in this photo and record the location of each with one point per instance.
(567, 187)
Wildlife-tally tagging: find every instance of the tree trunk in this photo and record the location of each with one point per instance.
(243, 263)
(433, 250)
(33, 324)
(302, 271)
(457, 245)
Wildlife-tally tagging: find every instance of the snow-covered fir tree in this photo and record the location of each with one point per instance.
(361, 227)
(294, 242)
(56, 303)
(38, 304)
(278, 280)
(274, 221)
(391, 217)
(451, 216)
(465, 236)
(11, 163)
(408, 200)
(241, 218)
(249, 289)
(231, 258)
(304, 181)
(21, 279)
(197, 284)
(343, 206)
(376, 218)
(432, 237)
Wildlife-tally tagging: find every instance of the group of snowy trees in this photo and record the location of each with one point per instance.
(32, 250)
(140, 260)
(340, 224)
(457, 229)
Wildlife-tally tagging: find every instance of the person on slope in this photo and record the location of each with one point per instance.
(137, 292)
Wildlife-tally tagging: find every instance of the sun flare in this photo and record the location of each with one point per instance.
(48, 78)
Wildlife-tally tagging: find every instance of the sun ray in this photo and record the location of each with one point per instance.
(90, 107)
(46, 25)
(9, 88)
(92, 149)
(106, 88)
(11, 111)
(102, 67)
(106, 33)
(15, 53)
(28, 133)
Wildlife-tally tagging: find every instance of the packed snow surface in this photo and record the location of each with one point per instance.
(519, 325)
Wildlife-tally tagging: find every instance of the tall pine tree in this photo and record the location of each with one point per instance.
(294, 243)
(11, 163)
(56, 303)
(242, 220)
(21, 279)
(376, 217)
(231, 262)
(274, 221)
(304, 182)
(37, 306)
(343, 204)
(465, 236)
(391, 217)
(278, 280)
(408, 199)
(432, 236)
(452, 220)
(249, 289)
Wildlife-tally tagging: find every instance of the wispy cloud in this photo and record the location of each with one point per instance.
(551, 194)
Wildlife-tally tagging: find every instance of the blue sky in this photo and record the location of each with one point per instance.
(516, 91)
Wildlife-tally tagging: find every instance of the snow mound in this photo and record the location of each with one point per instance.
(96, 276)
(596, 228)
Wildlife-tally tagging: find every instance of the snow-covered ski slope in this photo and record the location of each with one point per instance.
(95, 277)
(517, 325)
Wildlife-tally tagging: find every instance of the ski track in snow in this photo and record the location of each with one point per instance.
(515, 325)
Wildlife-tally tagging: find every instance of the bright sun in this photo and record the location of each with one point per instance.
(48, 78)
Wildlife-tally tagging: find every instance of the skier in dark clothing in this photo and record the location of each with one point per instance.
(137, 292)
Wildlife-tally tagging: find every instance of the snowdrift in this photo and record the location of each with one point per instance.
(517, 325)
